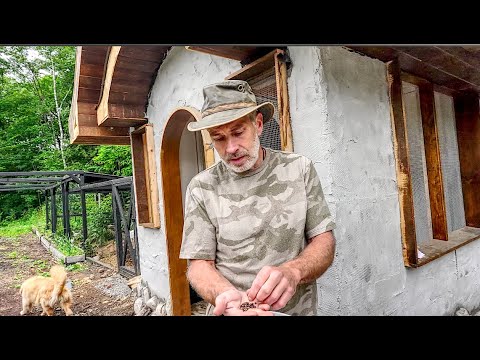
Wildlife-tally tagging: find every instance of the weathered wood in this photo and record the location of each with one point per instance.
(421, 68)
(140, 53)
(467, 116)
(433, 162)
(146, 187)
(436, 248)
(255, 68)
(208, 150)
(404, 181)
(102, 110)
(286, 139)
(172, 200)
(140, 178)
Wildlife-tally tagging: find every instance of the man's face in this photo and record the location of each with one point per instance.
(238, 142)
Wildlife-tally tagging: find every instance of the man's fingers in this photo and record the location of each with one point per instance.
(220, 305)
(266, 289)
(277, 292)
(260, 279)
(287, 295)
(265, 307)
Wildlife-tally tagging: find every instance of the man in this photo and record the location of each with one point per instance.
(257, 229)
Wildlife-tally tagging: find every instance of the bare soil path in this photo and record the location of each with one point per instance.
(97, 291)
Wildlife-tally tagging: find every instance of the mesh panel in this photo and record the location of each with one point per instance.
(264, 87)
(452, 182)
(418, 165)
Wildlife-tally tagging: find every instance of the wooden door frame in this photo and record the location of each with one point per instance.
(172, 202)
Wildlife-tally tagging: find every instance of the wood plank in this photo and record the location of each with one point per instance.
(90, 82)
(462, 54)
(136, 76)
(93, 58)
(467, 114)
(102, 111)
(172, 202)
(286, 139)
(433, 162)
(88, 95)
(148, 190)
(445, 62)
(126, 63)
(140, 178)
(127, 98)
(87, 108)
(140, 53)
(456, 239)
(126, 111)
(122, 122)
(255, 68)
(152, 176)
(404, 180)
(91, 70)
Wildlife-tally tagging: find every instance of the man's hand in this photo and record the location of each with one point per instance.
(274, 286)
(228, 304)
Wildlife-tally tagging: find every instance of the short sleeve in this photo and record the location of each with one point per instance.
(319, 219)
(199, 240)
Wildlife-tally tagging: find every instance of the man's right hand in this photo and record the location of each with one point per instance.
(228, 304)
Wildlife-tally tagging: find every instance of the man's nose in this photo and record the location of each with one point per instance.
(232, 145)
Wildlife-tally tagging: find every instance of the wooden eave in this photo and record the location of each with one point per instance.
(128, 76)
(454, 67)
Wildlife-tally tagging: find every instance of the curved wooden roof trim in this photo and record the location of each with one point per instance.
(83, 127)
(128, 77)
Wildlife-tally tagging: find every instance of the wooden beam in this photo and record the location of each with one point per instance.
(433, 162)
(238, 53)
(172, 202)
(255, 68)
(282, 100)
(467, 114)
(102, 110)
(404, 180)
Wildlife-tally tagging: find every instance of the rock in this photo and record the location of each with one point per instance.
(101, 270)
(160, 310)
(139, 290)
(462, 312)
(146, 294)
(138, 305)
(152, 303)
(96, 257)
(477, 313)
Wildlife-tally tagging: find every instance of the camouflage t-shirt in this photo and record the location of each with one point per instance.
(250, 220)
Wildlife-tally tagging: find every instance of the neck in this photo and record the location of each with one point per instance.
(261, 158)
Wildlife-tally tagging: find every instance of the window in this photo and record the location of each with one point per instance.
(437, 142)
(268, 78)
(145, 175)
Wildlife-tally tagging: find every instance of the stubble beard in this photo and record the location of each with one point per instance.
(251, 160)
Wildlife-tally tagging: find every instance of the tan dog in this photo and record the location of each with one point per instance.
(47, 292)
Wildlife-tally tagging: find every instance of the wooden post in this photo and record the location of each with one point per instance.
(404, 180)
(468, 135)
(434, 164)
(54, 209)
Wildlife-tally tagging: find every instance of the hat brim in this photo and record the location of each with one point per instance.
(224, 117)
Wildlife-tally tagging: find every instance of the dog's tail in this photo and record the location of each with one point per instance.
(59, 276)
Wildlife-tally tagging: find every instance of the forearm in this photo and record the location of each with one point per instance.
(206, 280)
(315, 259)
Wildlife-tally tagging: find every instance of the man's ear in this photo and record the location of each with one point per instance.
(259, 123)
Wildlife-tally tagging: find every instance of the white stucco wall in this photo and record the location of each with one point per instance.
(341, 97)
(179, 82)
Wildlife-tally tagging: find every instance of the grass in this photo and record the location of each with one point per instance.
(24, 224)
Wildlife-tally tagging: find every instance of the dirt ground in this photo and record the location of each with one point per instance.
(97, 291)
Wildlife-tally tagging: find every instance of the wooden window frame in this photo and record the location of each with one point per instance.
(145, 176)
(467, 117)
(277, 59)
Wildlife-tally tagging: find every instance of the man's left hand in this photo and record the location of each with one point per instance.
(274, 286)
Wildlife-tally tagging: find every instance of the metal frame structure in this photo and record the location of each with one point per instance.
(83, 182)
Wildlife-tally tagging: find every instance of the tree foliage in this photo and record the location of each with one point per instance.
(36, 86)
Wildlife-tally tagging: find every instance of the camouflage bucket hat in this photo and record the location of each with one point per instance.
(229, 101)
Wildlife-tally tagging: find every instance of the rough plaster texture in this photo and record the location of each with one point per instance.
(342, 98)
(179, 82)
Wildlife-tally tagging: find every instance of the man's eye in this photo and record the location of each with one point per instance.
(238, 133)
